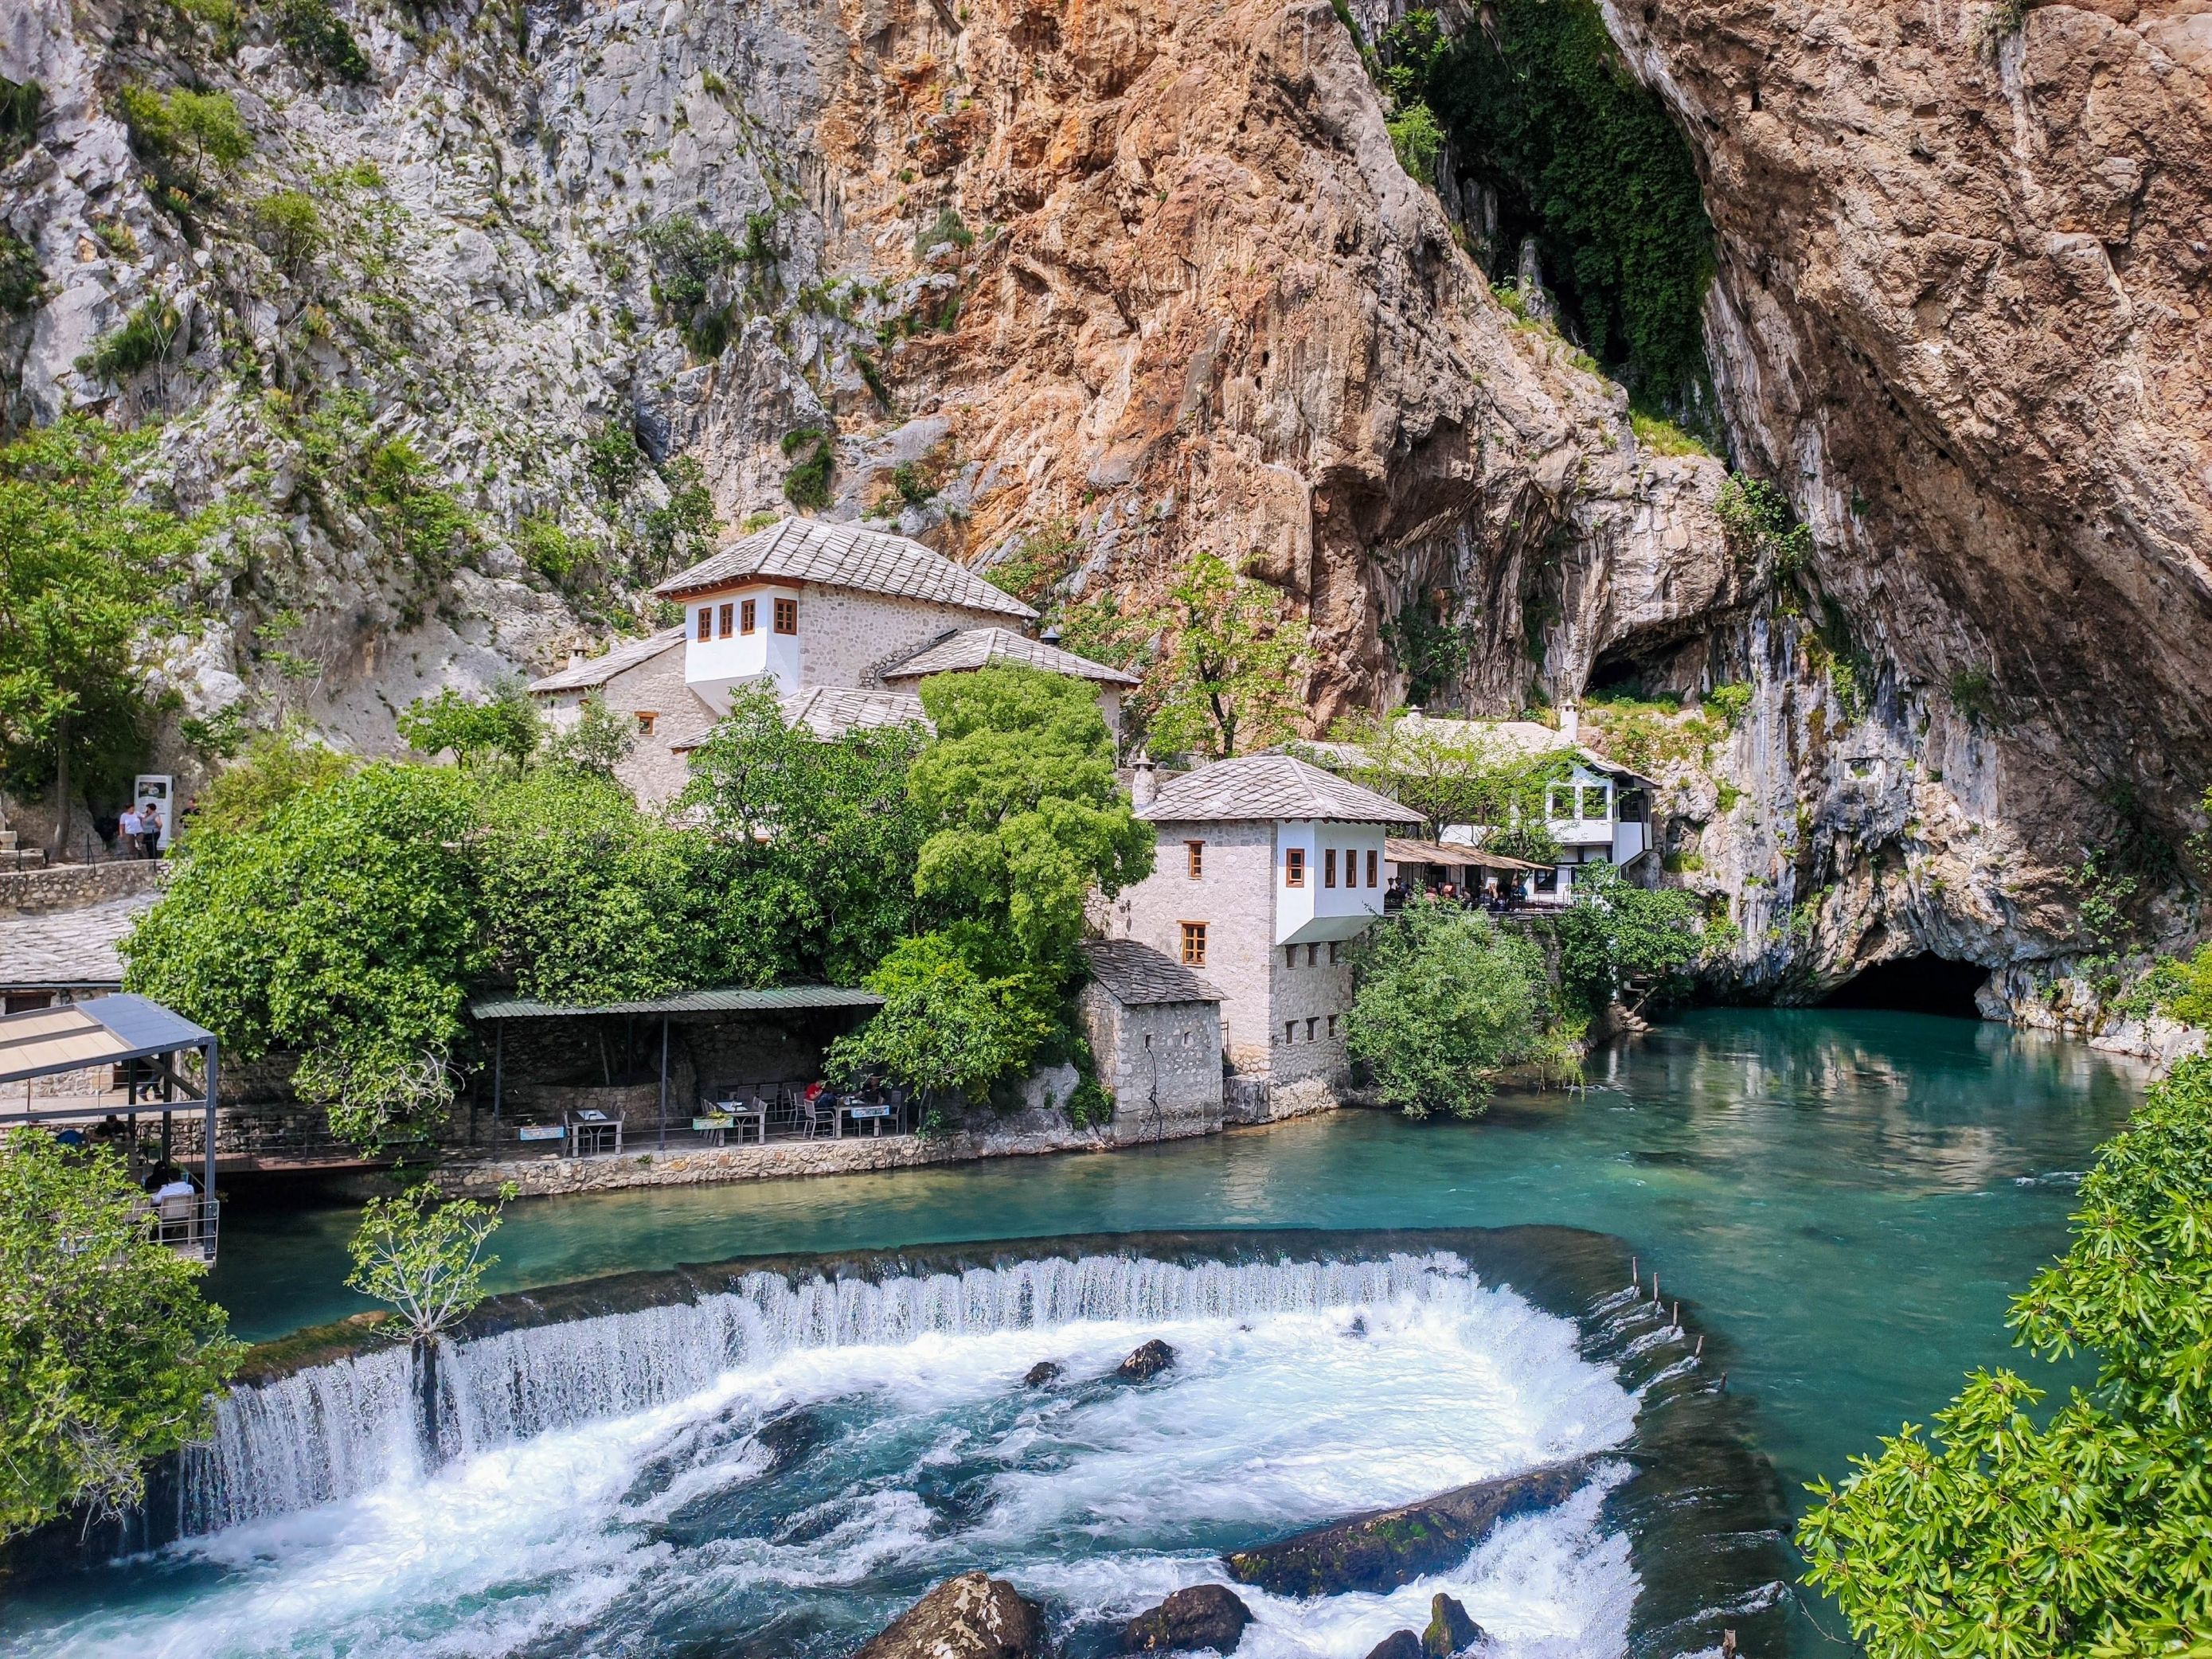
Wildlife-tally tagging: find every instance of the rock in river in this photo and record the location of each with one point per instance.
(1203, 1616)
(1398, 1645)
(1147, 1362)
(1044, 1371)
(1451, 1630)
(971, 1617)
(1386, 1548)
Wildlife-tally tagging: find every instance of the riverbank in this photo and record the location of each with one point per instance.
(1038, 1130)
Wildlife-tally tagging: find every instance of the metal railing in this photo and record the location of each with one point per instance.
(187, 1226)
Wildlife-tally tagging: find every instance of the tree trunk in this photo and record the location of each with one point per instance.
(426, 1396)
(60, 837)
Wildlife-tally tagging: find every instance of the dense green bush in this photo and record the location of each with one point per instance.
(688, 259)
(947, 1026)
(21, 279)
(807, 483)
(502, 728)
(1538, 105)
(2079, 1533)
(199, 132)
(1443, 999)
(1620, 939)
(291, 227)
(109, 1354)
(319, 34)
(142, 339)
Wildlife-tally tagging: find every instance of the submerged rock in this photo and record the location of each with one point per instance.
(1204, 1616)
(973, 1616)
(1398, 1645)
(1451, 1630)
(1044, 1371)
(1386, 1548)
(1147, 1362)
(789, 1437)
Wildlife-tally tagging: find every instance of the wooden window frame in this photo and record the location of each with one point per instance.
(748, 614)
(1312, 1024)
(1294, 866)
(645, 719)
(706, 624)
(786, 616)
(725, 620)
(1374, 864)
(1193, 853)
(1193, 944)
(1328, 866)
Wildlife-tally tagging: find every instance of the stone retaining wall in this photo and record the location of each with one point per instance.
(73, 886)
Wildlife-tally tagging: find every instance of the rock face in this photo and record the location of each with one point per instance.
(1398, 1645)
(1389, 1547)
(1041, 1375)
(1960, 318)
(1145, 1363)
(973, 1616)
(1450, 1630)
(1205, 1616)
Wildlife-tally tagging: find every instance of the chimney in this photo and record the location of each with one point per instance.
(575, 657)
(1571, 724)
(1050, 636)
(1143, 781)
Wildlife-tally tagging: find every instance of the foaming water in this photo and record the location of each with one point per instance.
(780, 1470)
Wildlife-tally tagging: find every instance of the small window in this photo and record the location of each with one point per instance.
(1194, 940)
(1290, 956)
(1195, 857)
(645, 719)
(1313, 955)
(725, 620)
(1594, 801)
(1294, 867)
(748, 616)
(1333, 949)
(706, 622)
(786, 616)
(1289, 1030)
(1332, 1028)
(1373, 862)
(1559, 802)
(1311, 1025)
(1328, 867)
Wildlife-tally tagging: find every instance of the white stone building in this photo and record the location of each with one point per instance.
(842, 622)
(1265, 868)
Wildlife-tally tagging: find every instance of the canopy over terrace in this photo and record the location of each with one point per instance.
(773, 1000)
(1452, 855)
(138, 1044)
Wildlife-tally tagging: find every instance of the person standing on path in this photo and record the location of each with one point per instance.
(128, 831)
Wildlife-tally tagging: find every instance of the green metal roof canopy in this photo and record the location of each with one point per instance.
(777, 999)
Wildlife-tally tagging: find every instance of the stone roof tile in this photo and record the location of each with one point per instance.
(1270, 786)
(1137, 974)
(599, 670)
(978, 648)
(844, 555)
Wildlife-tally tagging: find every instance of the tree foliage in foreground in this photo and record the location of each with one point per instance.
(2006, 1531)
(1453, 771)
(109, 1354)
(948, 1025)
(1444, 999)
(1233, 680)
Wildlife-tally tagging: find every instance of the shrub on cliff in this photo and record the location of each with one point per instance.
(1620, 939)
(1233, 678)
(2010, 1531)
(109, 1354)
(1443, 999)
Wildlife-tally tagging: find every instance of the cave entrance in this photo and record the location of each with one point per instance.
(1925, 984)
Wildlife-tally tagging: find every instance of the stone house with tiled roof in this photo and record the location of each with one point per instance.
(1265, 867)
(842, 622)
(1154, 1028)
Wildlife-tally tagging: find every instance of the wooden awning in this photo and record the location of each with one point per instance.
(1451, 854)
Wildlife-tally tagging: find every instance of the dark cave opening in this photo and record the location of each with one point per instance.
(1925, 984)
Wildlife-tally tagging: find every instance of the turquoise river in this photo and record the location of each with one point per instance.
(1850, 1197)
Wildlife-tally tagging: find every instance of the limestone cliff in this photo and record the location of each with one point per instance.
(1149, 276)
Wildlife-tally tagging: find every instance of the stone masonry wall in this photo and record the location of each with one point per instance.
(1316, 987)
(847, 638)
(72, 886)
(1235, 896)
(1161, 1061)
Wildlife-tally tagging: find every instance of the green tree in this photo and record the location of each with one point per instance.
(1443, 999)
(2079, 1533)
(341, 930)
(291, 227)
(948, 1027)
(502, 728)
(83, 561)
(274, 767)
(109, 1354)
(1618, 939)
(818, 840)
(424, 1257)
(598, 742)
(1234, 677)
(202, 132)
(1025, 816)
(1451, 771)
(583, 898)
